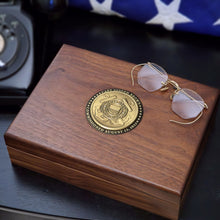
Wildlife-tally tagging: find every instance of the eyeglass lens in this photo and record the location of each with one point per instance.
(150, 78)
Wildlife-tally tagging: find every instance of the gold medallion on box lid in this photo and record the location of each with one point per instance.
(114, 111)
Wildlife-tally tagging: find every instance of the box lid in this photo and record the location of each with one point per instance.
(154, 158)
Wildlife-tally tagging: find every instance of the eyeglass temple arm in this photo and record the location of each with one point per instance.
(190, 122)
(132, 72)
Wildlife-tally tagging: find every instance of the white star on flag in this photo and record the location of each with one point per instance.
(168, 15)
(104, 8)
(217, 22)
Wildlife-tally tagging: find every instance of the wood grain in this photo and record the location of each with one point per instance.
(93, 183)
(155, 159)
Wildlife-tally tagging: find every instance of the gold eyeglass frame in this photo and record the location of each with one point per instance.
(176, 87)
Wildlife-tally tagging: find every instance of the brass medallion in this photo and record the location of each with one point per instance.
(114, 111)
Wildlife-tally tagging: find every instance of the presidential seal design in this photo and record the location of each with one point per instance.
(114, 111)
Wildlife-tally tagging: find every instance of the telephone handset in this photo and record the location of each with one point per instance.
(16, 53)
(14, 44)
(17, 45)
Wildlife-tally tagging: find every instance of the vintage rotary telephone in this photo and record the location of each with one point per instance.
(17, 54)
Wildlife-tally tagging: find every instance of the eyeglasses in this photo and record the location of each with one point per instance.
(186, 103)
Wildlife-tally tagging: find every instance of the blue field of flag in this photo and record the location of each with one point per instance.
(200, 16)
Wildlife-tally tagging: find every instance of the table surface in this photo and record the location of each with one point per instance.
(187, 55)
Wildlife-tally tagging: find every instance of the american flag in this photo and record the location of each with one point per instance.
(200, 16)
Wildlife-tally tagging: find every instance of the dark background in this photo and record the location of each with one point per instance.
(192, 56)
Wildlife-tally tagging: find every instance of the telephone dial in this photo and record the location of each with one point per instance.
(17, 46)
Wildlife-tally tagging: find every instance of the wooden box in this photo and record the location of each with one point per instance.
(149, 167)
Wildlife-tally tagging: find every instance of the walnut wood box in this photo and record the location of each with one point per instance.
(149, 167)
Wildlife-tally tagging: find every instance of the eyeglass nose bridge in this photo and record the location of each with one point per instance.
(171, 82)
(174, 84)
